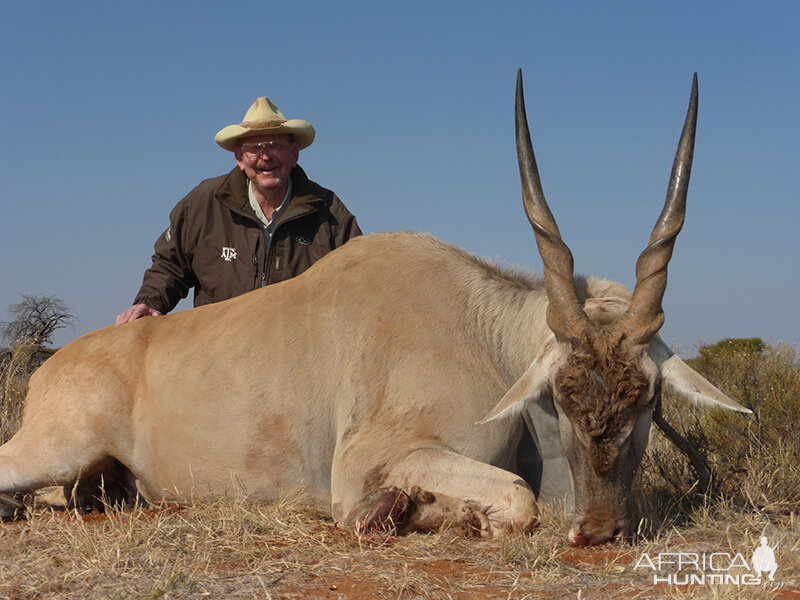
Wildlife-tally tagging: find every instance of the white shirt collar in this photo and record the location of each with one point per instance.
(257, 207)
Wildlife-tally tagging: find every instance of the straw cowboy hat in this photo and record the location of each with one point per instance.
(264, 118)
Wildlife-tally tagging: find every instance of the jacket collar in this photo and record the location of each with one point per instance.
(233, 194)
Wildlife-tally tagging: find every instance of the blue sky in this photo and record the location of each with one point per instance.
(109, 109)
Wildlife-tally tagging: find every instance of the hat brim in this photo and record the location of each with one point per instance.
(302, 131)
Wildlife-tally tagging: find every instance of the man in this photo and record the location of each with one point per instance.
(263, 222)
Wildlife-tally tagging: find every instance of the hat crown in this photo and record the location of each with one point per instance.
(263, 110)
(264, 118)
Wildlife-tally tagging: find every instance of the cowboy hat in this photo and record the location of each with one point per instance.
(264, 118)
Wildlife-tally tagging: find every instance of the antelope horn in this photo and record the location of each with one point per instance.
(645, 315)
(565, 314)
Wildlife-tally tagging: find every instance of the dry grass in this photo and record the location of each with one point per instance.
(754, 460)
(246, 549)
(15, 370)
(242, 549)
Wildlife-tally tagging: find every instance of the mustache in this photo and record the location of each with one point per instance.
(265, 164)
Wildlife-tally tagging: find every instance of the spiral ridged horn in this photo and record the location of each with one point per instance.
(565, 314)
(645, 315)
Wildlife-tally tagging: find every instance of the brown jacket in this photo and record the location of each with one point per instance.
(215, 242)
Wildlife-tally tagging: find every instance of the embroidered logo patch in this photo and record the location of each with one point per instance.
(302, 240)
(228, 254)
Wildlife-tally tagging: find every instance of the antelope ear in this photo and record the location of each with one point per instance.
(688, 384)
(532, 386)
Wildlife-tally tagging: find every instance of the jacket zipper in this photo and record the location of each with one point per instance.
(268, 247)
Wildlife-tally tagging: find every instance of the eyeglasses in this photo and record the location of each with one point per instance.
(259, 148)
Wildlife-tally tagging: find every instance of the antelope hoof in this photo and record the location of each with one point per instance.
(430, 511)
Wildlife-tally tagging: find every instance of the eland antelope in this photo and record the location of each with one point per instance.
(391, 381)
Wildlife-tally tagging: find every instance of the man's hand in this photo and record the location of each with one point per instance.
(136, 311)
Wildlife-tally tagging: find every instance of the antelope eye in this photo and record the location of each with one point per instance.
(656, 393)
(624, 434)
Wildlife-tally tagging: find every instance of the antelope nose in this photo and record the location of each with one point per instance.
(592, 534)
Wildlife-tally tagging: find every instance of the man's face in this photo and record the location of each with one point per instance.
(267, 160)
